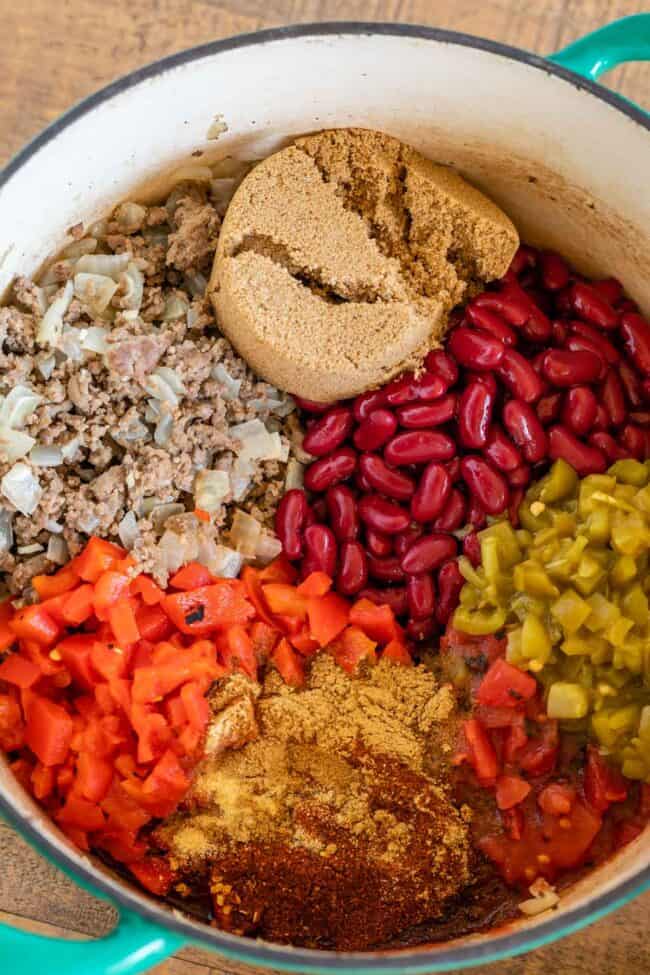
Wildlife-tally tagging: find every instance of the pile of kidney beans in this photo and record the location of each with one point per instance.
(542, 365)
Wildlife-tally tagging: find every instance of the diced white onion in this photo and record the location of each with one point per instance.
(130, 216)
(57, 550)
(211, 488)
(161, 512)
(88, 245)
(196, 284)
(94, 339)
(19, 404)
(217, 127)
(6, 531)
(256, 441)
(111, 265)
(537, 905)
(46, 455)
(268, 548)
(51, 275)
(231, 386)
(295, 476)
(227, 563)
(132, 282)
(175, 307)
(94, 290)
(172, 379)
(197, 172)
(164, 428)
(152, 411)
(280, 449)
(46, 366)
(32, 549)
(245, 533)
(70, 448)
(128, 530)
(14, 444)
(53, 526)
(241, 478)
(51, 325)
(21, 488)
(164, 384)
(70, 343)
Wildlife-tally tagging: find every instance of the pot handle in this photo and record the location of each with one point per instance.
(132, 946)
(623, 40)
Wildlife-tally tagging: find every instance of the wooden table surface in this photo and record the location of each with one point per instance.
(55, 53)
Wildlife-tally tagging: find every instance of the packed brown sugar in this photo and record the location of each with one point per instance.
(328, 827)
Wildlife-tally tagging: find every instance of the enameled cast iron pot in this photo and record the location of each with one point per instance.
(568, 160)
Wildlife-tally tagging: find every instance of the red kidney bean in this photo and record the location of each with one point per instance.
(605, 442)
(520, 477)
(583, 458)
(364, 404)
(342, 511)
(393, 596)
(388, 569)
(320, 549)
(337, 466)
(428, 552)
(475, 350)
(605, 348)
(419, 415)
(290, 520)
(453, 514)
(633, 439)
(383, 516)
(555, 272)
(560, 332)
(609, 288)
(474, 415)
(590, 304)
(353, 568)
(501, 451)
(405, 539)
(329, 432)
(525, 257)
(384, 479)
(420, 630)
(562, 368)
(645, 389)
(613, 397)
(362, 482)
(378, 544)
(421, 596)
(432, 492)
(631, 383)
(580, 409)
(489, 321)
(635, 332)
(516, 497)
(564, 302)
(628, 305)
(507, 303)
(581, 346)
(310, 406)
(418, 447)
(537, 327)
(472, 548)
(485, 484)
(318, 511)
(485, 378)
(450, 583)
(373, 432)
(441, 364)
(408, 389)
(549, 408)
(476, 516)
(525, 428)
(641, 418)
(520, 377)
(603, 420)
(453, 469)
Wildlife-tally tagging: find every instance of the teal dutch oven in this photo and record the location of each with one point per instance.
(566, 158)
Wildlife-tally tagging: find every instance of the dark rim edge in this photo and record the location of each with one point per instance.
(408, 960)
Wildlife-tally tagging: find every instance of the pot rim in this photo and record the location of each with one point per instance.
(419, 959)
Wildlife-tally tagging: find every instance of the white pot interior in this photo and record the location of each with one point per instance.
(569, 168)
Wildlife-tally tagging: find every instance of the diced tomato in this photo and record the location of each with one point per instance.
(238, 651)
(316, 584)
(122, 621)
(511, 790)
(516, 739)
(154, 735)
(626, 832)
(19, 671)
(42, 780)
(75, 654)
(378, 622)
(78, 605)
(94, 776)
(48, 586)
(97, 557)
(284, 600)
(289, 664)
(603, 784)
(122, 810)
(81, 814)
(513, 822)
(48, 731)
(167, 783)
(279, 570)
(34, 623)
(557, 799)
(352, 647)
(153, 623)
(482, 754)
(22, 769)
(155, 874)
(567, 847)
(505, 686)
(539, 755)
(398, 653)
(208, 608)
(191, 576)
(109, 588)
(328, 616)
(146, 588)
(122, 844)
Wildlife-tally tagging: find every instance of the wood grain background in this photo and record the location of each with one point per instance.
(54, 52)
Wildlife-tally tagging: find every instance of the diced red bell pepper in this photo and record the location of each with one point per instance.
(78, 605)
(48, 586)
(7, 635)
(22, 769)
(208, 608)
(279, 570)
(264, 639)
(146, 588)
(557, 799)
(153, 623)
(12, 728)
(352, 647)
(316, 584)
(285, 600)
(42, 781)
(167, 781)
(154, 735)
(511, 790)
(175, 711)
(238, 652)
(75, 654)
(255, 593)
(122, 810)
(77, 836)
(303, 642)
(109, 588)
(122, 621)
(54, 608)
(328, 616)
(289, 664)
(19, 671)
(378, 622)
(94, 776)
(98, 556)
(48, 731)
(603, 784)
(122, 845)
(482, 754)
(81, 814)
(191, 576)
(155, 875)
(34, 623)
(108, 660)
(505, 686)
(398, 653)
(195, 705)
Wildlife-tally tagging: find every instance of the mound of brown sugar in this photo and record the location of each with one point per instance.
(341, 255)
(330, 827)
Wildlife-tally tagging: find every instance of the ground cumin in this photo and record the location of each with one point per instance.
(329, 827)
